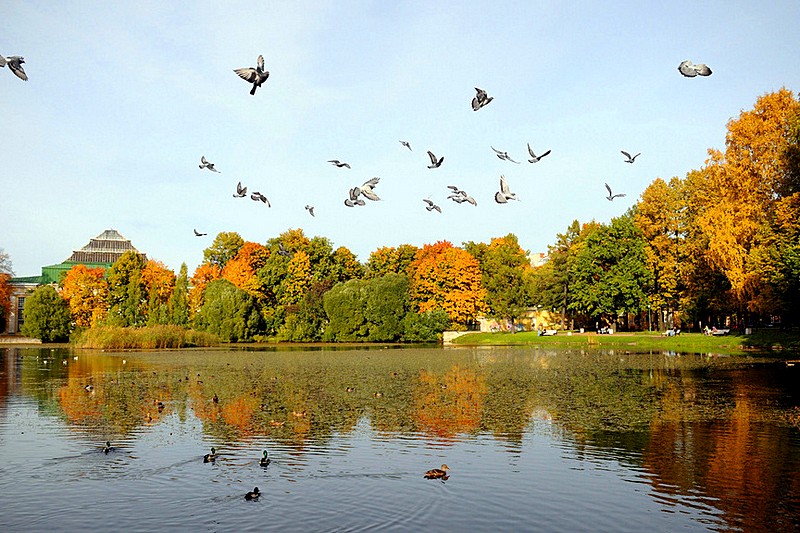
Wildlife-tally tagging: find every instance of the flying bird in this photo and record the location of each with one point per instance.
(198, 234)
(629, 158)
(460, 196)
(310, 209)
(435, 163)
(534, 158)
(205, 163)
(503, 155)
(611, 196)
(406, 144)
(431, 206)
(353, 199)
(504, 194)
(367, 189)
(339, 164)
(481, 99)
(15, 64)
(258, 197)
(690, 70)
(283, 251)
(256, 75)
(241, 192)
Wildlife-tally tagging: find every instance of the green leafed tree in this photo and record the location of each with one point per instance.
(345, 306)
(228, 312)
(46, 316)
(179, 301)
(127, 294)
(611, 274)
(224, 248)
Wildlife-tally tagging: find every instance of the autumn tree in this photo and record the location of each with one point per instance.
(345, 266)
(744, 181)
(204, 274)
(86, 292)
(46, 315)
(241, 269)
(448, 278)
(5, 289)
(224, 248)
(390, 260)
(159, 282)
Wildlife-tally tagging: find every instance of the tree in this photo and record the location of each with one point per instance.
(386, 305)
(159, 282)
(5, 296)
(345, 307)
(425, 327)
(228, 312)
(86, 292)
(345, 265)
(127, 294)
(46, 315)
(203, 275)
(224, 248)
(241, 270)
(505, 274)
(447, 278)
(179, 300)
(390, 260)
(5, 263)
(611, 271)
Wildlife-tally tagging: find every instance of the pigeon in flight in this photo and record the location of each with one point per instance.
(15, 64)
(367, 189)
(481, 99)
(241, 192)
(406, 144)
(258, 197)
(534, 158)
(283, 251)
(198, 234)
(431, 206)
(353, 199)
(256, 75)
(611, 196)
(630, 159)
(435, 163)
(504, 194)
(460, 196)
(690, 70)
(338, 163)
(503, 155)
(205, 163)
(310, 209)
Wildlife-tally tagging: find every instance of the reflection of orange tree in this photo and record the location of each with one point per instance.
(449, 404)
(79, 405)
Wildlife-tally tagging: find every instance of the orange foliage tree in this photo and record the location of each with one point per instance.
(86, 291)
(448, 278)
(203, 275)
(241, 270)
(5, 295)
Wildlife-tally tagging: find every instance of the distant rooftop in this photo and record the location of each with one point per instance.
(105, 248)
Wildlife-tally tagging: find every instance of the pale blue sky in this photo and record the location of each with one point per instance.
(124, 98)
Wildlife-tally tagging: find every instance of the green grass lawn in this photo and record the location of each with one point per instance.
(764, 340)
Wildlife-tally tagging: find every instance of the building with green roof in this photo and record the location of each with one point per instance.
(101, 252)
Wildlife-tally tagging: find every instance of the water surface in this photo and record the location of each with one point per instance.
(536, 440)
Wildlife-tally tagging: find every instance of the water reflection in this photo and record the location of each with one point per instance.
(715, 434)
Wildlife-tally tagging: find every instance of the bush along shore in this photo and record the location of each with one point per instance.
(773, 341)
(148, 337)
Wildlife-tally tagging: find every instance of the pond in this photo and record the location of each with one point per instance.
(535, 440)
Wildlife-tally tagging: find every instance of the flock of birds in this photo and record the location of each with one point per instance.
(358, 194)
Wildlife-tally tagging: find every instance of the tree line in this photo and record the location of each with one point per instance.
(721, 245)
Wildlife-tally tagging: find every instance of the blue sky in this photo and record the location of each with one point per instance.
(124, 98)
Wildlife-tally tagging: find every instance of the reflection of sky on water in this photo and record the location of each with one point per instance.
(519, 430)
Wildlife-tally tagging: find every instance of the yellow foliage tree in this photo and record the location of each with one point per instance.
(86, 291)
(448, 278)
(203, 275)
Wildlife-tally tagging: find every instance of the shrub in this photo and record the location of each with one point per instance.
(425, 327)
(46, 316)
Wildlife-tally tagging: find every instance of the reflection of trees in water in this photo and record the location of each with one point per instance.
(451, 403)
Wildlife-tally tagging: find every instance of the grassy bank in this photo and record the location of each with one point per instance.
(697, 342)
(150, 337)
